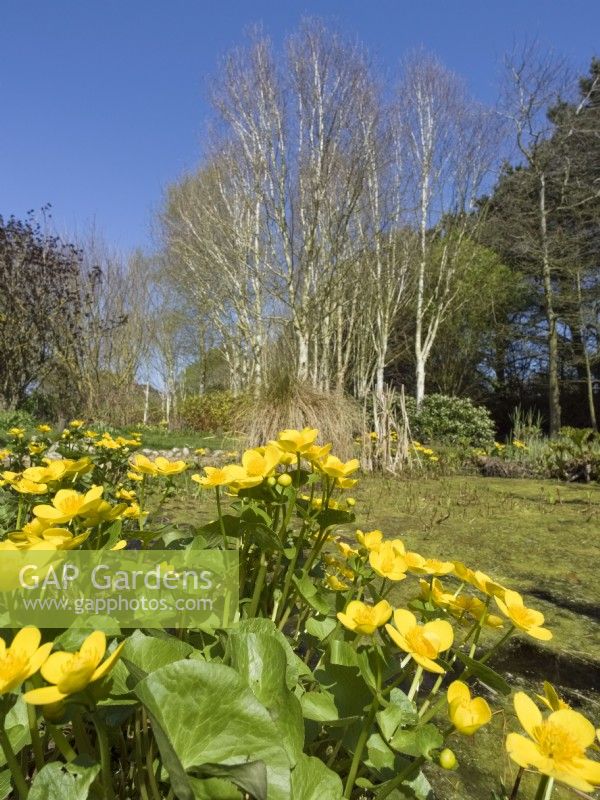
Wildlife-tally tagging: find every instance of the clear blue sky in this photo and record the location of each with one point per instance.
(101, 101)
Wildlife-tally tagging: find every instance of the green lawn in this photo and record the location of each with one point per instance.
(539, 537)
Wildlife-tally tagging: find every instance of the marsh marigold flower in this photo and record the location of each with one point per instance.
(220, 476)
(388, 562)
(68, 504)
(467, 714)
(293, 441)
(423, 642)
(526, 619)
(362, 618)
(554, 746)
(22, 659)
(70, 673)
(370, 540)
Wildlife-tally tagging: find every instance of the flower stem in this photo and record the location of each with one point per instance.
(360, 746)
(545, 788)
(104, 758)
(62, 743)
(13, 764)
(220, 513)
(36, 742)
(415, 683)
(399, 779)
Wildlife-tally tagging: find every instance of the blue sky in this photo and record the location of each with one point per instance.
(102, 101)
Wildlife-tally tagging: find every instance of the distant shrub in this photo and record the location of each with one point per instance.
(574, 455)
(213, 411)
(16, 419)
(451, 421)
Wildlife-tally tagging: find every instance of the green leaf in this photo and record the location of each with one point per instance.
(485, 674)
(64, 781)
(320, 628)
(180, 783)
(400, 713)
(310, 593)
(210, 716)
(17, 727)
(250, 777)
(379, 754)
(417, 742)
(313, 780)
(342, 654)
(295, 666)
(319, 706)
(260, 660)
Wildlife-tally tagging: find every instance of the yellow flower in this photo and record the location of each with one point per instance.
(132, 512)
(346, 550)
(220, 476)
(335, 468)
(479, 580)
(56, 538)
(4, 454)
(317, 452)
(423, 642)
(135, 476)
(293, 441)
(125, 494)
(50, 473)
(18, 433)
(556, 745)
(335, 584)
(22, 659)
(362, 618)
(346, 483)
(432, 566)
(165, 467)
(70, 673)
(142, 464)
(79, 467)
(551, 699)
(526, 619)
(76, 424)
(388, 562)
(35, 448)
(260, 462)
(44, 428)
(201, 451)
(68, 504)
(466, 714)
(23, 485)
(370, 540)
(90, 434)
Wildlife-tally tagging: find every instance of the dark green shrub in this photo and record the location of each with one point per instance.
(451, 421)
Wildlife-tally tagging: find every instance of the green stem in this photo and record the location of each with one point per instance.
(220, 513)
(360, 746)
(545, 788)
(13, 764)
(415, 683)
(62, 743)
(34, 732)
(104, 758)
(258, 586)
(498, 645)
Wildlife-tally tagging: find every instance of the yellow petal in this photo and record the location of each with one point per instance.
(107, 665)
(26, 641)
(525, 753)
(428, 663)
(442, 631)
(458, 691)
(528, 713)
(39, 658)
(94, 647)
(54, 668)
(42, 697)
(404, 620)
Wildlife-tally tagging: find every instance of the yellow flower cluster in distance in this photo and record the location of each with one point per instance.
(161, 467)
(290, 449)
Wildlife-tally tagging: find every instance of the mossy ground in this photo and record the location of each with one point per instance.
(539, 537)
